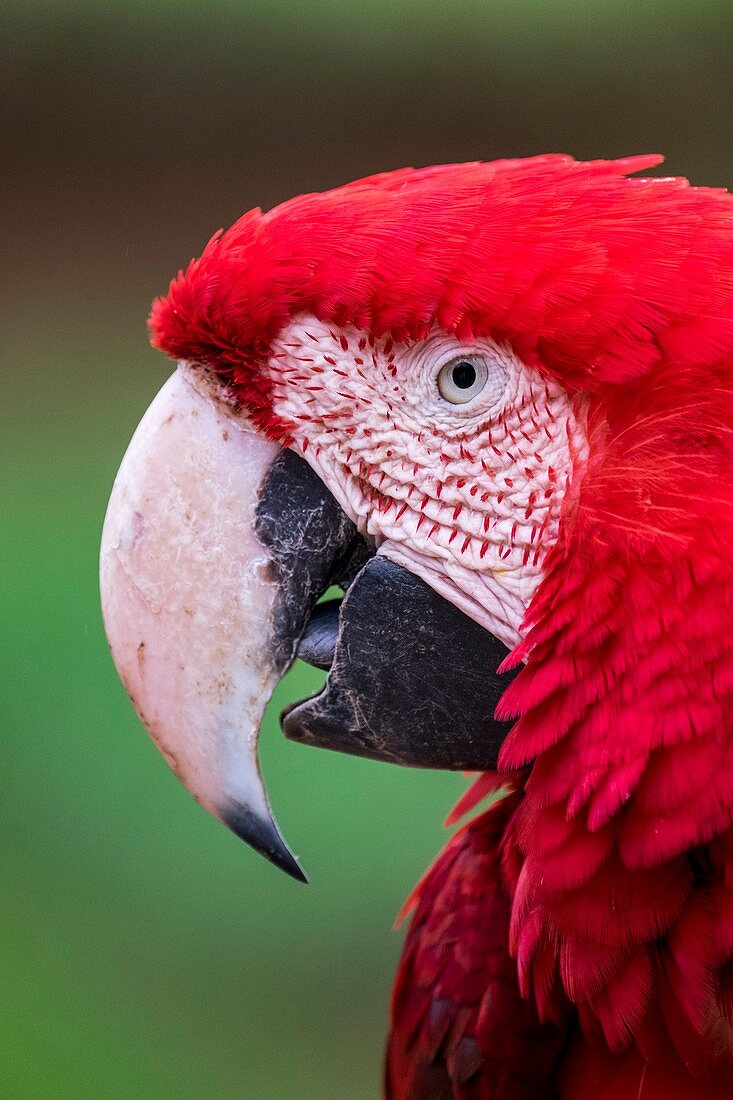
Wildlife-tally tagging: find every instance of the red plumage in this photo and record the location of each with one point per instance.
(461, 1027)
(588, 274)
(602, 892)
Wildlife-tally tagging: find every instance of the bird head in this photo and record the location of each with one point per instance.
(462, 394)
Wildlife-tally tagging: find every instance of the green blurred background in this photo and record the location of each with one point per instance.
(145, 952)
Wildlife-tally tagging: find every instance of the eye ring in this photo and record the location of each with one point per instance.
(462, 378)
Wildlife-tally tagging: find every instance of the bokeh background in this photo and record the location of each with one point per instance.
(145, 952)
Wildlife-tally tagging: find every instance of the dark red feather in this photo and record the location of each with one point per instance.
(459, 1027)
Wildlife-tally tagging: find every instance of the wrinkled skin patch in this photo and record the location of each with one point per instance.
(467, 496)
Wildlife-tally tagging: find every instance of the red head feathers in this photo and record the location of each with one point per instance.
(591, 274)
(619, 859)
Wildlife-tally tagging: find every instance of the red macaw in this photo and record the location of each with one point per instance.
(494, 402)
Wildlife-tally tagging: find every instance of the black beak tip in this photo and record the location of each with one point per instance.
(262, 834)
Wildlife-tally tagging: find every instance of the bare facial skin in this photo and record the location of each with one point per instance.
(467, 495)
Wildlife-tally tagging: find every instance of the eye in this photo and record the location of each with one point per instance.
(461, 379)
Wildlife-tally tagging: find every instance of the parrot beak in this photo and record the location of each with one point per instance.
(202, 603)
(216, 546)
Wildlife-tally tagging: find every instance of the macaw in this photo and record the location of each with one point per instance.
(493, 402)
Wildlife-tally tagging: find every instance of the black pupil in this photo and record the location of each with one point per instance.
(464, 375)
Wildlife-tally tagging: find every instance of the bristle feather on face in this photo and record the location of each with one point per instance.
(468, 496)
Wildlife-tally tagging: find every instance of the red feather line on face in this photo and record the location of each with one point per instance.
(619, 861)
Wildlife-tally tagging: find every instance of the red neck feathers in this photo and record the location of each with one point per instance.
(623, 899)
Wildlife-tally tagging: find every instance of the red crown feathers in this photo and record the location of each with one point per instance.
(587, 273)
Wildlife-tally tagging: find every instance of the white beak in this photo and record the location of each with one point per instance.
(189, 596)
